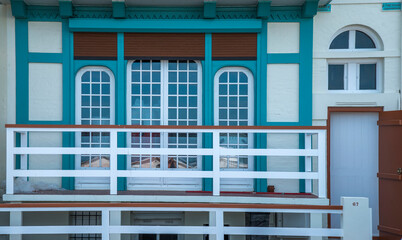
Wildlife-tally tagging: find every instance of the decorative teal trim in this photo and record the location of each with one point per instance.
(43, 13)
(119, 9)
(19, 8)
(209, 9)
(131, 25)
(45, 57)
(207, 108)
(218, 64)
(280, 14)
(120, 106)
(283, 58)
(302, 165)
(326, 8)
(263, 9)
(309, 8)
(65, 9)
(395, 6)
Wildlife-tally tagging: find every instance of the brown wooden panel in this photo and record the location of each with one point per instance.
(95, 45)
(234, 46)
(164, 45)
(390, 184)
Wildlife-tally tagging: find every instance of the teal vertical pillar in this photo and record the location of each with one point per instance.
(68, 161)
(260, 162)
(207, 108)
(121, 108)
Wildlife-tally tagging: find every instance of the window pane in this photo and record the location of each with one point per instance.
(341, 41)
(336, 77)
(363, 40)
(368, 79)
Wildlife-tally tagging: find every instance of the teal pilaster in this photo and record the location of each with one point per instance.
(19, 9)
(21, 40)
(263, 9)
(309, 8)
(66, 9)
(208, 108)
(302, 166)
(210, 9)
(260, 163)
(121, 107)
(119, 9)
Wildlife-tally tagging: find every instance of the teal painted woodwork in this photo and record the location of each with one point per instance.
(21, 40)
(19, 8)
(119, 9)
(208, 108)
(283, 58)
(263, 9)
(66, 9)
(326, 8)
(309, 8)
(134, 25)
(209, 9)
(121, 109)
(302, 165)
(391, 6)
(45, 57)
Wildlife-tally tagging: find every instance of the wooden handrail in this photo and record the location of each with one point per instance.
(168, 205)
(168, 127)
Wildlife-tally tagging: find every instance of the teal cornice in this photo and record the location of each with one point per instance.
(210, 9)
(263, 9)
(19, 8)
(393, 6)
(309, 8)
(43, 13)
(119, 9)
(66, 9)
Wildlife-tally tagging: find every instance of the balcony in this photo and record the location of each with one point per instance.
(223, 158)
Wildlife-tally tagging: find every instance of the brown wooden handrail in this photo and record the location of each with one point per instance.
(168, 127)
(169, 205)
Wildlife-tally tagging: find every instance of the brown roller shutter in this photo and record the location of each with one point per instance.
(95, 46)
(164, 45)
(232, 46)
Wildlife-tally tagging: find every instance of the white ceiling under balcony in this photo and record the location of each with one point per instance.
(170, 3)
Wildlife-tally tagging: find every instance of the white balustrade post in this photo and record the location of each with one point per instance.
(10, 161)
(113, 162)
(215, 165)
(219, 225)
(15, 220)
(115, 220)
(356, 218)
(105, 224)
(307, 162)
(322, 164)
(212, 223)
(316, 221)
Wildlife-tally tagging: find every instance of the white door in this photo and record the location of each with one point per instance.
(354, 159)
(162, 92)
(234, 107)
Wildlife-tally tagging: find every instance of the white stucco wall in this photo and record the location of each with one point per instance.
(385, 24)
(44, 37)
(277, 43)
(7, 79)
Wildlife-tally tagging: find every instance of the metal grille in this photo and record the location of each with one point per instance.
(86, 218)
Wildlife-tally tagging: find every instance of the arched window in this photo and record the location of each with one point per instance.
(234, 106)
(94, 105)
(355, 74)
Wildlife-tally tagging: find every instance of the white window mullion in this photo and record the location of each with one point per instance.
(352, 39)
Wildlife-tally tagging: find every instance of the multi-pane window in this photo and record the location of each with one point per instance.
(86, 219)
(95, 99)
(354, 74)
(235, 106)
(164, 93)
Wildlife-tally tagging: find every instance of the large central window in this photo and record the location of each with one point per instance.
(163, 92)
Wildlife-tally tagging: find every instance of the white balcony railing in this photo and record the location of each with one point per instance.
(355, 217)
(315, 157)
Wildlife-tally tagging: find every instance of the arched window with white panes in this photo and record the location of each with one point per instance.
(234, 106)
(164, 92)
(357, 74)
(94, 106)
